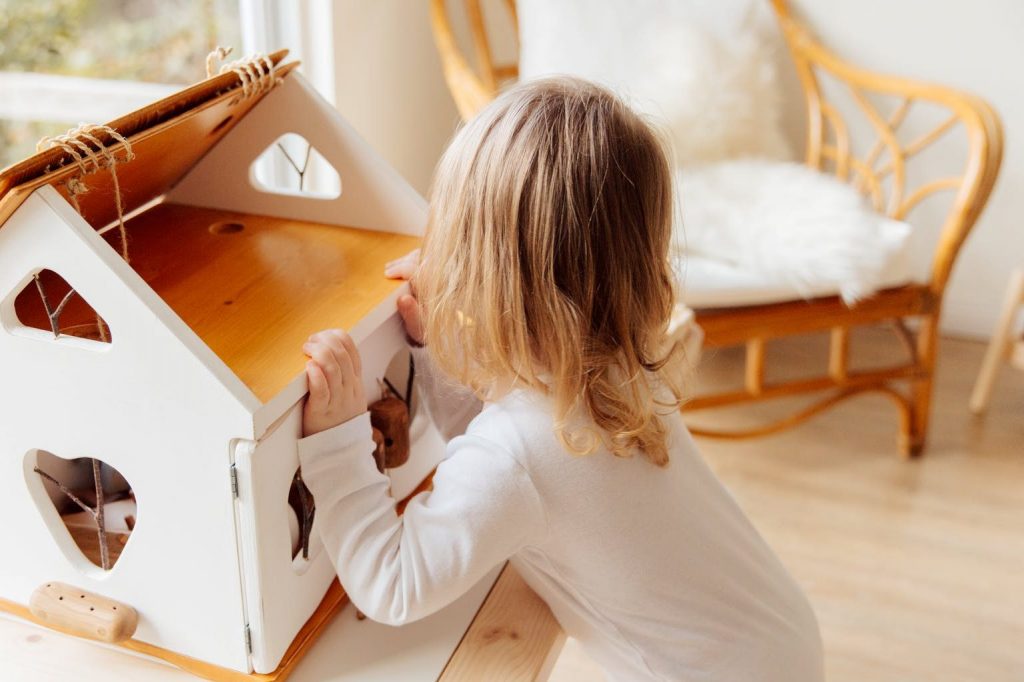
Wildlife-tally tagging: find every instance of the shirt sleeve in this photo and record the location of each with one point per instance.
(396, 569)
(450, 405)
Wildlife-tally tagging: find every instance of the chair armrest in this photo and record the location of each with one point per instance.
(983, 134)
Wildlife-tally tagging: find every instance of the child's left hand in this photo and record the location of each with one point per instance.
(335, 381)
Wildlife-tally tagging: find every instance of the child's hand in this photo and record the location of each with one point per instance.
(335, 378)
(408, 307)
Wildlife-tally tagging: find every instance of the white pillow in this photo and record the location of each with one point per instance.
(786, 223)
(703, 69)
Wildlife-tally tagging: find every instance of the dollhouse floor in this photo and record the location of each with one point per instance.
(255, 287)
(88, 541)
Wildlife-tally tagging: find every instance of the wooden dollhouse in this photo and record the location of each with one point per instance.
(153, 306)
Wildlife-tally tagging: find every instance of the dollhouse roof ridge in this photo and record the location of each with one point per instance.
(187, 116)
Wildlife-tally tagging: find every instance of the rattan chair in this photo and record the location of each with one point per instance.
(880, 175)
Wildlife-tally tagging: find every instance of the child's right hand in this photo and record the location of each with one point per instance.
(408, 306)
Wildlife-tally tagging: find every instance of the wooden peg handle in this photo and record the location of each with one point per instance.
(84, 614)
(390, 416)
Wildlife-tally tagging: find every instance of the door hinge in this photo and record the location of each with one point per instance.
(234, 481)
(248, 638)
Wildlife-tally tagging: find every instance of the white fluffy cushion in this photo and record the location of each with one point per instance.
(786, 228)
(705, 70)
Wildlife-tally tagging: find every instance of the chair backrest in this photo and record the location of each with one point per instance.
(475, 81)
(875, 163)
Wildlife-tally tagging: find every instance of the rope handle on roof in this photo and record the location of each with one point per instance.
(90, 154)
(256, 72)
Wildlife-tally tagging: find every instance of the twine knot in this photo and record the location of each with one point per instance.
(255, 72)
(90, 154)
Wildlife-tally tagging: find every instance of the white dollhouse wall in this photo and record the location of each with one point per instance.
(209, 566)
(156, 404)
(373, 195)
(281, 591)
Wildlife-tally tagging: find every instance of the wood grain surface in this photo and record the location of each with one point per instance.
(513, 637)
(254, 288)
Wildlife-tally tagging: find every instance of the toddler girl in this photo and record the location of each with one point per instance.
(544, 295)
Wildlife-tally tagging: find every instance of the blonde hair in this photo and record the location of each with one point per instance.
(546, 262)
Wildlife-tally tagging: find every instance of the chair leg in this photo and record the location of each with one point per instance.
(912, 439)
(915, 432)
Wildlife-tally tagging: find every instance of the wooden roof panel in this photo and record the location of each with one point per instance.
(168, 138)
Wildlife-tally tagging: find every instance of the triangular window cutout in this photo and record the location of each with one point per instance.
(49, 303)
(291, 165)
(92, 499)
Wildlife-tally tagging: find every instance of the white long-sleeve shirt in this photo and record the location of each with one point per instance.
(656, 571)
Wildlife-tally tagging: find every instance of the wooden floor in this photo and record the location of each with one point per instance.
(915, 568)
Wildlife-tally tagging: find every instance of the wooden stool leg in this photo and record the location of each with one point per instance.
(999, 344)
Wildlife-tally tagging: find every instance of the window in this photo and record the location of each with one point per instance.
(63, 62)
(67, 61)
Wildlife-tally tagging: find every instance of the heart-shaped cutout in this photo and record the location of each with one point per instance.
(94, 504)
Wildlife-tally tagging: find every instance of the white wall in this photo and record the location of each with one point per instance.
(389, 83)
(390, 86)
